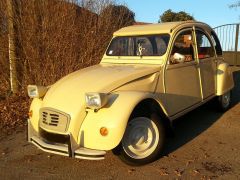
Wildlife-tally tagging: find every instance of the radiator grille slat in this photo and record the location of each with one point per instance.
(54, 120)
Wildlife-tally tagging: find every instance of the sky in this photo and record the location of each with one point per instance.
(212, 12)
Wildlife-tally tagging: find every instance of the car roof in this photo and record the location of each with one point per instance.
(160, 28)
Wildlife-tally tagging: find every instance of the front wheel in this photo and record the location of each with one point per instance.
(224, 101)
(143, 140)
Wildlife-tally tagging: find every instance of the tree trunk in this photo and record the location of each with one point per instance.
(12, 49)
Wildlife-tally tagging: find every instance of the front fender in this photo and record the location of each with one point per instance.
(114, 117)
(224, 79)
(34, 108)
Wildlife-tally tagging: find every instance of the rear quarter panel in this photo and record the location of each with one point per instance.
(224, 78)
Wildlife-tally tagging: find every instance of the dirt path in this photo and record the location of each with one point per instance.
(206, 145)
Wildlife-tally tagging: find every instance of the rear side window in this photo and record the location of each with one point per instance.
(204, 46)
(217, 44)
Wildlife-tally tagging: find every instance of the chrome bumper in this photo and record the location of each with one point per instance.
(63, 149)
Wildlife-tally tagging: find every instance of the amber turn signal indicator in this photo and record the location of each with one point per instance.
(30, 114)
(104, 131)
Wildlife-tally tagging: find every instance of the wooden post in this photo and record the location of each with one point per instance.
(12, 48)
(236, 45)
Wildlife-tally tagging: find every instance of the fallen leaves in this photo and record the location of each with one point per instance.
(163, 172)
(196, 172)
(13, 112)
(131, 170)
(189, 162)
(217, 168)
(178, 172)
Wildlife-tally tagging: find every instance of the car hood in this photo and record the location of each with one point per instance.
(104, 78)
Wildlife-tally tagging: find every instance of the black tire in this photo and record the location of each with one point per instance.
(224, 101)
(153, 145)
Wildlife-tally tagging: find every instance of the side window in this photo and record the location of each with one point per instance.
(183, 47)
(205, 49)
(217, 44)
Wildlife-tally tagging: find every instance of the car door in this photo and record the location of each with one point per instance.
(207, 63)
(182, 83)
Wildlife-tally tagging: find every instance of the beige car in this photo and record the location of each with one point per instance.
(149, 76)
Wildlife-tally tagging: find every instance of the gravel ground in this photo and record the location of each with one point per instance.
(205, 146)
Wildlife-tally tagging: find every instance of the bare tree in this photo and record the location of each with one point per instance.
(57, 37)
(4, 46)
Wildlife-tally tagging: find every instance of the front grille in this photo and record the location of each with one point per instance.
(54, 120)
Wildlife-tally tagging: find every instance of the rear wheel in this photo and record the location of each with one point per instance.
(143, 140)
(224, 101)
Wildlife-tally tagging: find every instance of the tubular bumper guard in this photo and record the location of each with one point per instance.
(63, 149)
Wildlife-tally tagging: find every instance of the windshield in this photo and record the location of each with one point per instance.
(151, 45)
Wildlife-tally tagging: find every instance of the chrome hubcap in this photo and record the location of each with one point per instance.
(226, 99)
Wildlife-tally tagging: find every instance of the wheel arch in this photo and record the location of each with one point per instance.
(145, 108)
(149, 106)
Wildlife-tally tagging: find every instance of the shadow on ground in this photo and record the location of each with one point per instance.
(194, 123)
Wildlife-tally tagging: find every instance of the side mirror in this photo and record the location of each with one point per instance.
(179, 58)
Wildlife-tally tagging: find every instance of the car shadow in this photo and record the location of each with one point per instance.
(194, 123)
